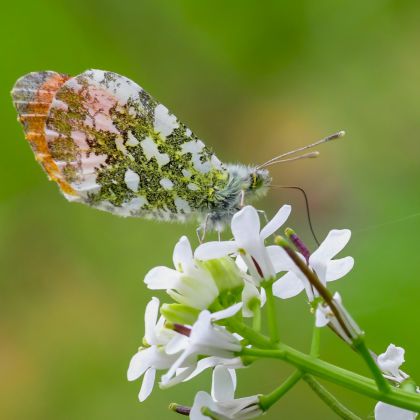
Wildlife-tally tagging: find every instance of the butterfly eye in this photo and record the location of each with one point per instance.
(254, 180)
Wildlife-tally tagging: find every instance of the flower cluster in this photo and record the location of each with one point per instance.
(214, 318)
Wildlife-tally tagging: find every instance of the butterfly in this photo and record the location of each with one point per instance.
(109, 144)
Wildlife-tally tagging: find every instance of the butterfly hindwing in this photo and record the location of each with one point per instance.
(120, 150)
(32, 96)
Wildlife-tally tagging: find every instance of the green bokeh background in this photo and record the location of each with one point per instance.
(252, 79)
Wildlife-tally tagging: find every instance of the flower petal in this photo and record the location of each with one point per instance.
(280, 260)
(202, 399)
(249, 292)
(263, 295)
(212, 361)
(245, 226)
(161, 278)
(389, 412)
(226, 313)
(139, 363)
(288, 286)
(321, 318)
(223, 384)
(203, 364)
(241, 408)
(277, 221)
(176, 344)
(181, 375)
(241, 264)
(335, 241)
(215, 249)
(391, 360)
(339, 268)
(324, 314)
(182, 256)
(148, 383)
(150, 319)
(184, 357)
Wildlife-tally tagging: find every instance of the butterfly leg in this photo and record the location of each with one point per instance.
(199, 231)
(242, 201)
(264, 214)
(202, 229)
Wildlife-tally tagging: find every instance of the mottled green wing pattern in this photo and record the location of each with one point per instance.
(122, 151)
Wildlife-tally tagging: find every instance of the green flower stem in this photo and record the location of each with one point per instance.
(256, 320)
(360, 346)
(209, 413)
(271, 311)
(266, 401)
(337, 375)
(235, 325)
(323, 393)
(316, 341)
(254, 337)
(329, 399)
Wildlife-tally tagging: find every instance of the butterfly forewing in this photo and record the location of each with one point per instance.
(118, 149)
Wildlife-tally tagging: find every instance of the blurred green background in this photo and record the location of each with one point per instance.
(252, 79)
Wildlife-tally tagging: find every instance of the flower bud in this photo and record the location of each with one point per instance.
(178, 313)
(225, 273)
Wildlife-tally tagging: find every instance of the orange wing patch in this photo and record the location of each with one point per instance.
(32, 96)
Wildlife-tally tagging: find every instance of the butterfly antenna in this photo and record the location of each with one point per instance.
(308, 212)
(278, 158)
(305, 156)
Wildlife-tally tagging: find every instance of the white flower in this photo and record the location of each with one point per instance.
(206, 339)
(212, 361)
(251, 293)
(147, 360)
(248, 241)
(321, 261)
(222, 400)
(324, 314)
(390, 362)
(187, 284)
(155, 332)
(294, 281)
(389, 412)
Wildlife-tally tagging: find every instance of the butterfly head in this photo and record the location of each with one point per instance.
(248, 180)
(259, 179)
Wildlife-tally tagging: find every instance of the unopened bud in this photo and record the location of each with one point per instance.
(180, 409)
(225, 273)
(178, 313)
(298, 243)
(280, 241)
(182, 329)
